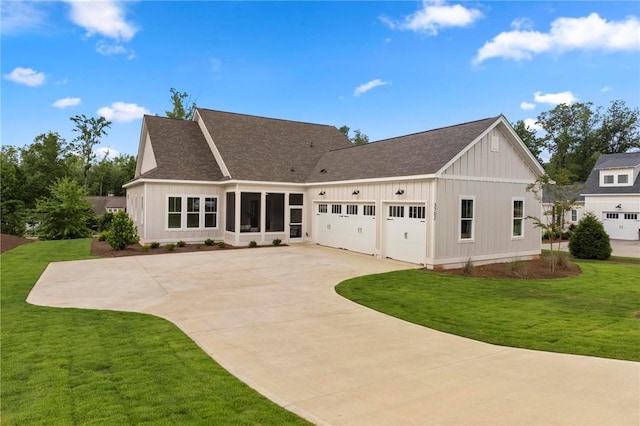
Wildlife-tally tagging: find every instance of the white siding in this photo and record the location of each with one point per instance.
(148, 157)
(599, 205)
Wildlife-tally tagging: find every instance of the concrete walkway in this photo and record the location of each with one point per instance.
(272, 318)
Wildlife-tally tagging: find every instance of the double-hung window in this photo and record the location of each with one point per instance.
(517, 217)
(210, 212)
(174, 212)
(467, 213)
(192, 212)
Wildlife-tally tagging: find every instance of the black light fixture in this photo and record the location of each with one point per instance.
(355, 192)
(322, 193)
(400, 192)
(619, 206)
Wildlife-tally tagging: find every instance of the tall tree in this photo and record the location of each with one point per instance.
(90, 131)
(181, 110)
(358, 138)
(65, 213)
(528, 136)
(42, 162)
(12, 207)
(620, 129)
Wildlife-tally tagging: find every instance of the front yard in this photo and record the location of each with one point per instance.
(596, 313)
(72, 366)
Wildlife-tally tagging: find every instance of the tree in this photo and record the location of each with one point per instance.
(181, 110)
(90, 131)
(589, 239)
(528, 136)
(42, 162)
(358, 139)
(123, 232)
(64, 215)
(620, 129)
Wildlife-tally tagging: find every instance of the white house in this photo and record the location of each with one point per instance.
(612, 193)
(437, 198)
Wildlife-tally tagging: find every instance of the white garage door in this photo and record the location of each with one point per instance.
(405, 232)
(347, 225)
(621, 226)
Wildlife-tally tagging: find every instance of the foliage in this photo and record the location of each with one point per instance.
(65, 213)
(81, 366)
(469, 269)
(589, 239)
(358, 138)
(103, 236)
(181, 243)
(585, 315)
(222, 245)
(528, 136)
(108, 175)
(154, 245)
(123, 231)
(90, 131)
(170, 247)
(253, 244)
(277, 242)
(208, 242)
(105, 221)
(12, 217)
(180, 110)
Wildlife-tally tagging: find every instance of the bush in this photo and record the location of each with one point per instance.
(105, 221)
(469, 269)
(64, 215)
(170, 247)
(103, 235)
(145, 247)
(123, 231)
(221, 244)
(277, 242)
(154, 245)
(12, 217)
(208, 242)
(589, 239)
(253, 244)
(181, 243)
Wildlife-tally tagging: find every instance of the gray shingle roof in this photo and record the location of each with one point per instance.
(268, 149)
(415, 154)
(571, 191)
(613, 161)
(99, 205)
(181, 151)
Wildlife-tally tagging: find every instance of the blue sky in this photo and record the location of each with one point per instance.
(386, 68)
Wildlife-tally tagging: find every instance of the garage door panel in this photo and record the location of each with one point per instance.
(405, 233)
(354, 232)
(621, 226)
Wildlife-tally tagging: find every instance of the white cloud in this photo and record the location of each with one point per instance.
(435, 15)
(522, 24)
(587, 33)
(66, 102)
(105, 17)
(20, 16)
(532, 124)
(606, 89)
(26, 76)
(107, 49)
(105, 151)
(555, 98)
(527, 106)
(121, 111)
(363, 88)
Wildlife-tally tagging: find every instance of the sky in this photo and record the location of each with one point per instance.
(385, 68)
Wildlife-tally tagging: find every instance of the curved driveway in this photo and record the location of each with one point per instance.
(272, 318)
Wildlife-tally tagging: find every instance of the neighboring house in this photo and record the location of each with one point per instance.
(572, 216)
(437, 198)
(612, 193)
(108, 204)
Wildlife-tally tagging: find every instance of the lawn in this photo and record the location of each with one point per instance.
(595, 313)
(71, 366)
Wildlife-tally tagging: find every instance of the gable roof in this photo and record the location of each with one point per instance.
(268, 149)
(181, 151)
(100, 204)
(613, 161)
(416, 154)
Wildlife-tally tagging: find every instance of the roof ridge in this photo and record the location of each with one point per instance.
(265, 118)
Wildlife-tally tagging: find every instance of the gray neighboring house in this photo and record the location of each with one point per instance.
(107, 204)
(571, 217)
(437, 198)
(612, 193)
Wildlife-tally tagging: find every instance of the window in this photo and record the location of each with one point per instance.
(608, 179)
(466, 219)
(518, 218)
(322, 208)
(396, 211)
(611, 215)
(193, 212)
(623, 178)
(274, 212)
(250, 209)
(210, 212)
(574, 215)
(631, 216)
(175, 212)
(296, 199)
(369, 210)
(231, 212)
(352, 209)
(336, 208)
(416, 212)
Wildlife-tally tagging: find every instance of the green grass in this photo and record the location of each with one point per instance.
(72, 366)
(591, 314)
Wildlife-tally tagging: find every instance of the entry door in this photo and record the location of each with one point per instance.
(295, 216)
(405, 232)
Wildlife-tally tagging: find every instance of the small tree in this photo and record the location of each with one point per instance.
(123, 232)
(64, 215)
(358, 139)
(180, 110)
(90, 131)
(589, 239)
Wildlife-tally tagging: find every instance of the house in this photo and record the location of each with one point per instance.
(612, 193)
(572, 216)
(437, 198)
(108, 204)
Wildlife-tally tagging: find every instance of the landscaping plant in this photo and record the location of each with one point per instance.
(64, 215)
(589, 239)
(123, 232)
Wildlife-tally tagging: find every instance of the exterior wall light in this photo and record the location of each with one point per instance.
(355, 192)
(400, 192)
(322, 193)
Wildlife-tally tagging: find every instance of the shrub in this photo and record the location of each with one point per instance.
(105, 221)
(253, 244)
(221, 244)
(145, 247)
(589, 239)
(170, 247)
(518, 268)
(181, 243)
(154, 245)
(64, 215)
(469, 269)
(103, 236)
(208, 242)
(558, 260)
(123, 231)
(277, 242)
(12, 217)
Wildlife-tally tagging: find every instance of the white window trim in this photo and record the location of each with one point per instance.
(616, 176)
(473, 219)
(184, 213)
(513, 200)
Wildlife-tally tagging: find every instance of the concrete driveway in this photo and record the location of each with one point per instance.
(272, 318)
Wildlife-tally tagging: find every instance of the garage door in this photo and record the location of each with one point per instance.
(405, 232)
(347, 225)
(621, 226)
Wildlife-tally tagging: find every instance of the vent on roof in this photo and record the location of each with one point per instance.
(293, 170)
(323, 171)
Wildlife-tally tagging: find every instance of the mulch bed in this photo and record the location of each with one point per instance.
(9, 242)
(524, 269)
(102, 249)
